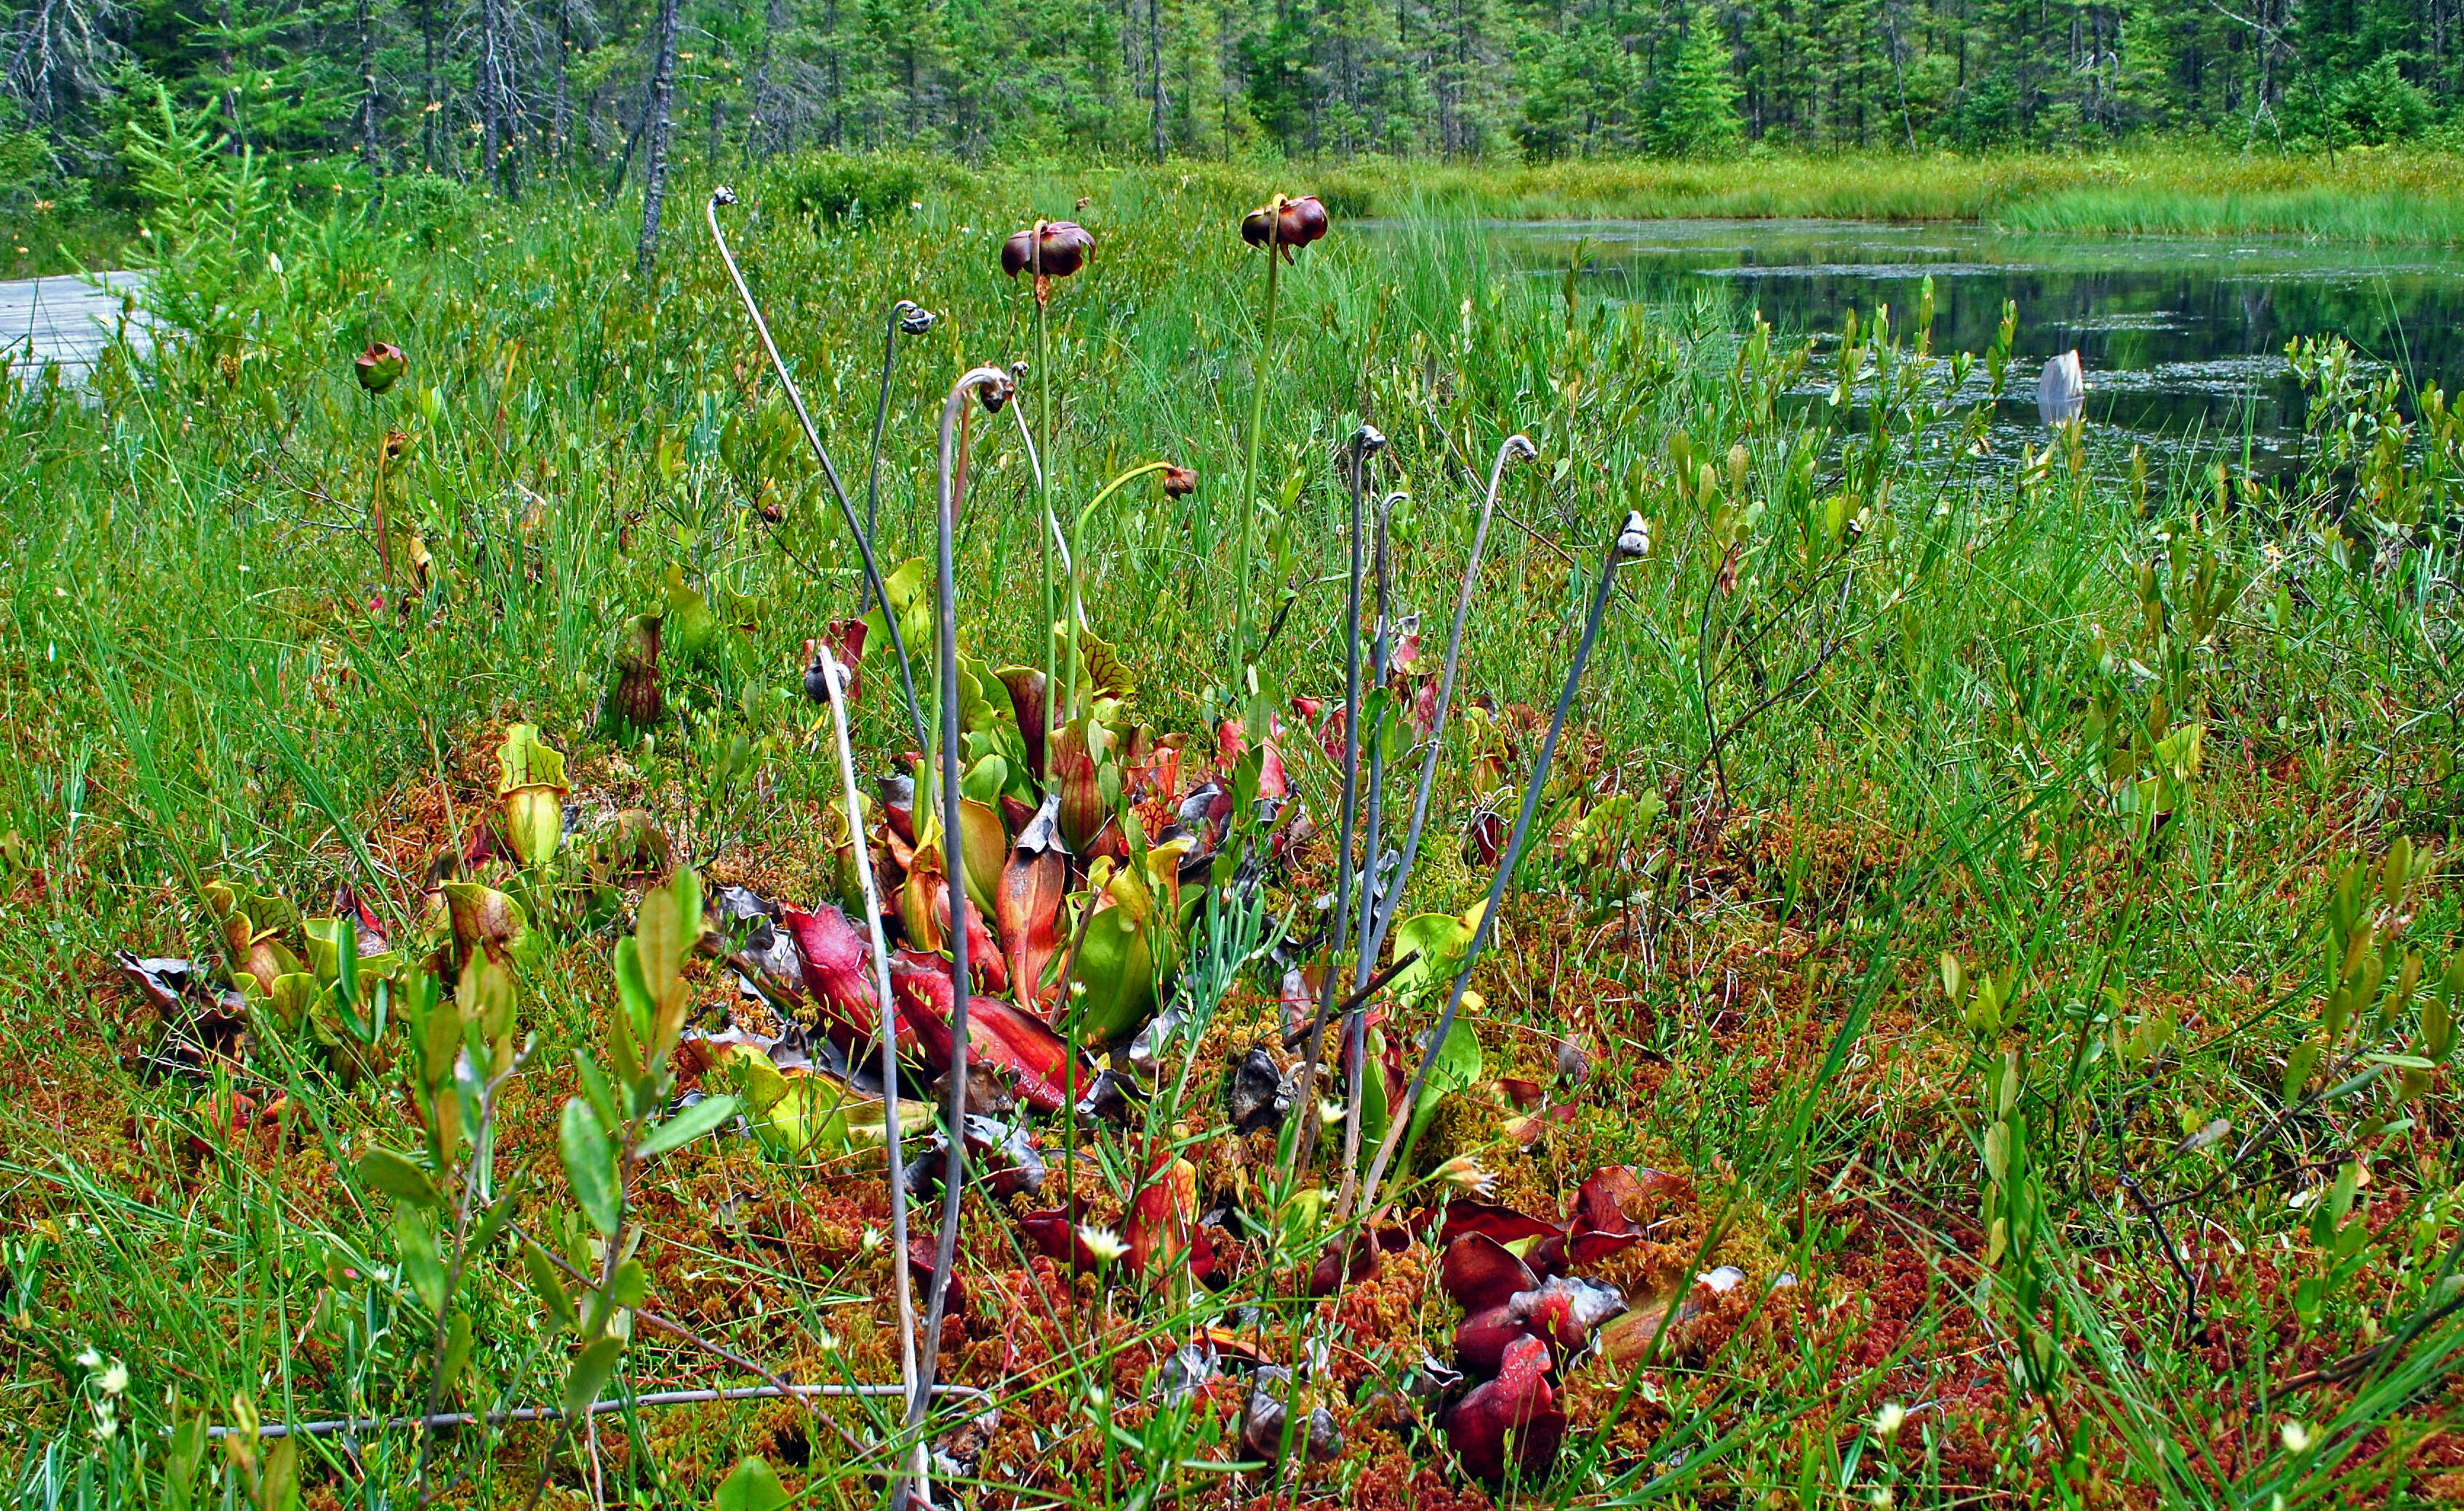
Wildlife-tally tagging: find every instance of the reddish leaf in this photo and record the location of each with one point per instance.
(998, 1034)
(1082, 810)
(920, 1257)
(845, 637)
(1027, 902)
(1505, 1225)
(1480, 1273)
(1481, 1341)
(838, 961)
(1025, 687)
(1056, 1233)
(1345, 1264)
(1163, 1218)
(1526, 1095)
(899, 807)
(1518, 1402)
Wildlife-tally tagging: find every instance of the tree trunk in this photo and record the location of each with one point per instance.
(491, 124)
(663, 91)
(368, 152)
(561, 122)
(1155, 68)
(430, 107)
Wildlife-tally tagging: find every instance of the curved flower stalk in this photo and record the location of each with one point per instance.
(1366, 442)
(994, 385)
(836, 677)
(1629, 543)
(724, 195)
(907, 318)
(1281, 225)
(1517, 446)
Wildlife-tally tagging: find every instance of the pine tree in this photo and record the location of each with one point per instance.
(1695, 111)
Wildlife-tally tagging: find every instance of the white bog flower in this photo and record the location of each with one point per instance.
(2296, 1437)
(1888, 1421)
(1103, 1243)
(115, 1379)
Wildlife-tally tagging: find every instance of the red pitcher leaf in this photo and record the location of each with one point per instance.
(1526, 1129)
(1480, 1273)
(1054, 1233)
(837, 965)
(1024, 1045)
(1481, 1341)
(1076, 753)
(1016, 813)
(845, 637)
(1339, 1265)
(924, 901)
(1525, 1094)
(1505, 1225)
(1517, 1403)
(1025, 688)
(899, 806)
(1566, 1311)
(1613, 1207)
(921, 1255)
(1028, 904)
(1163, 1219)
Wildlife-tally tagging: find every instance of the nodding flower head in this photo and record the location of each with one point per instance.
(1064, 244)
(1018, 371)
(914, 319)
(996, 392)
(1521, 449)
(379, 367)
(1367, 440)
(722, 195)
(1285, 223)
(1180, 483)
(1634, 538)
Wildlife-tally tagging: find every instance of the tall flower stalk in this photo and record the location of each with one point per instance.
(1356, 1023)
(724, 195)
(835, 676)
(1048, 249)
(1280, 226)
(1076, 608)
(1630, 541)
(1366, 442)
(1516, 447)
(994, 385)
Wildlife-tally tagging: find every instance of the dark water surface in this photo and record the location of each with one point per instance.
(2181, 339)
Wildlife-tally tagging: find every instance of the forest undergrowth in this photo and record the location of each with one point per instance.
(1968, 1017)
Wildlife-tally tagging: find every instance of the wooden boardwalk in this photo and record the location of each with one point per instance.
(64, 320)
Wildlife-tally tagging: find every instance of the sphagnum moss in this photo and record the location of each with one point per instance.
(1787, 1046)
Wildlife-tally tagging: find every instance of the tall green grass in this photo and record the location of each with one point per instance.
(194, 684)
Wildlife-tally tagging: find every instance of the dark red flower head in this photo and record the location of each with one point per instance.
(1285, 223)
(1065, 243)
(379, 365)
(1180, 483)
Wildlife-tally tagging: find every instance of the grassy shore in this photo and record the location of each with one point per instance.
(2017, 907)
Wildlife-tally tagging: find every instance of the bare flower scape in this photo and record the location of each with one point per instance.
(1662, 891)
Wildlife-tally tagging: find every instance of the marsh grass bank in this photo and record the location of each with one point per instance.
(2013, 910)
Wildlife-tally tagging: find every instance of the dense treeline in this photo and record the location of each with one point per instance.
(503, 90)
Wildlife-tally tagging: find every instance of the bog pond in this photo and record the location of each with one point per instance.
(2181, 339)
